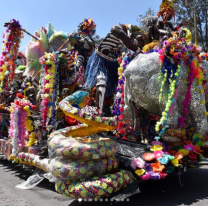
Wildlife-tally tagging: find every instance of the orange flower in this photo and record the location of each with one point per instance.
(198, 150)
(157, 167)
(148, 156)
(179, 156)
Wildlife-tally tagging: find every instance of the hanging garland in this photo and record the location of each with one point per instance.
(10, 48)
(175, 51)
(123, 131)
(20, 123)
(49, 87)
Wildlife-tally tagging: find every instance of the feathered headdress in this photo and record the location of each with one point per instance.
(168, 6)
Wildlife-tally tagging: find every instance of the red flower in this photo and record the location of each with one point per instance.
(33, 107)
(163, 174)
(120, 117)
(121, 109)
(20, 95)
(122, 102)
(120, 125)
(122, 95)
(192, 156)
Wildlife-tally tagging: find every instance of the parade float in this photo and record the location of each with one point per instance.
(158, 122)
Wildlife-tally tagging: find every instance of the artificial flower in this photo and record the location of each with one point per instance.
(156, 148)
(158, 154)
(184, 152)
(140, 172)
(157, 167)
(148, 156)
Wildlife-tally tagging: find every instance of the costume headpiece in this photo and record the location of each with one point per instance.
(168, 6)
(88, 27)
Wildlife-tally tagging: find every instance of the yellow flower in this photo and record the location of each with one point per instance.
(86, 154)
(101, 143)
(75, 151)
(101, 192)
(83, 194)
(175, 162)
(72, 173)
(94, 146)
(104, 185)
(95, 156)
(140, 172)
(82, 170)
(156, 148)
(110, 189)
(102, 151)
(120, 180)
(113, 176)
(115, 183)
(184, 152)
(126, 177)
(90, 163)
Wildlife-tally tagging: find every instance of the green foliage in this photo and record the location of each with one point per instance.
(183, 11)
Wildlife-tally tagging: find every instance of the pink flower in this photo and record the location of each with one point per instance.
(158, 154)
(145, 177)
(137, 162)
(190, 147)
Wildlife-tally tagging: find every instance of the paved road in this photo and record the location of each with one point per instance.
(168, 192)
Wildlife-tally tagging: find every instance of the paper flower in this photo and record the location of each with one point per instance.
(137, 162)
(175, 162)
(140, 172)
(145, 176)
(158, 154)
(184, 152)
(148, 156)
(156, 148)
(163, 174)
(157, 167)
(190, 147)
(163, 160)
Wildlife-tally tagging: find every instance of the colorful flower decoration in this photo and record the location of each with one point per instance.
(88, 27)
(49, 87)
(174, 52)
(11, 42)
(124, 131)
(20, 123)
(148, 156)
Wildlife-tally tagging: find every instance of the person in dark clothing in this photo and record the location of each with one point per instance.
(103, 63)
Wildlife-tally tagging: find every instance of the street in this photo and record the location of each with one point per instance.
(167, 192)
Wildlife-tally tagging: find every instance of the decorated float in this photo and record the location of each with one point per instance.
(155, 126)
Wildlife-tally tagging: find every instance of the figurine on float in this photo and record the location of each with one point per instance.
(82, 42)
(104, 63)
(161, 30)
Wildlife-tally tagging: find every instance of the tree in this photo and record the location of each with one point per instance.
(150, 12)
(97, 39)
(185, 10)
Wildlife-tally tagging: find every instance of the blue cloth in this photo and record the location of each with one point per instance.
(97, 64)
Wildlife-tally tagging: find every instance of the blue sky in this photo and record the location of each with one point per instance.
(65, 15)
